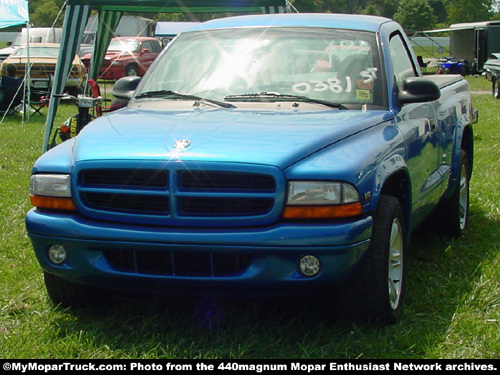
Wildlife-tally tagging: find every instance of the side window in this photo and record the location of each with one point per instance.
(403, 67)
(156, 47)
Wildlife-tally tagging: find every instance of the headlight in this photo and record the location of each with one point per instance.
(116, 63)
(50, 185)
(321, 200)
(51, 191)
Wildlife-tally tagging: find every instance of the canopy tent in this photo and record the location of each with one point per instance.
(109, 14)
(13, 13)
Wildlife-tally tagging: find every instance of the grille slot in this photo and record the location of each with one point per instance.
(150, 204)
(226, 206)
(167, 263)
(144, 178)
(226, 181)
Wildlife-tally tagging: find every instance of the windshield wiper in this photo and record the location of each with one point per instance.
(171, 94)
(276, 96)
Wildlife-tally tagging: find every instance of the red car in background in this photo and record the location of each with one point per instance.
(127, 56)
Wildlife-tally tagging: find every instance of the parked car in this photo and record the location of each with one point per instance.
(492, 72)
(43, 60)
(36, 35)
(127, 56)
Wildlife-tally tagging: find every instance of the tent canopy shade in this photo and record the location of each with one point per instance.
(13, 13)
(109, 13)
(177, 6)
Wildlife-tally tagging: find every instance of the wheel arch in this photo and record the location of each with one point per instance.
(398, 185)
(467, 145)
(392, 178)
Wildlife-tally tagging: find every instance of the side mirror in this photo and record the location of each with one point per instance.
(125, 87)
(144, 50)
(418, 90)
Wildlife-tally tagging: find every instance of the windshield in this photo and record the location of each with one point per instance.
(323, 64)
(52, 52)
(123, 45)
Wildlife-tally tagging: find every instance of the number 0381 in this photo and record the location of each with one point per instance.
(332, 84)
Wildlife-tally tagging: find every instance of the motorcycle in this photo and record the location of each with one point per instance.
(74, 124)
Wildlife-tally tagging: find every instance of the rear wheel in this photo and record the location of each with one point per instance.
(454, 213)
(69, 294)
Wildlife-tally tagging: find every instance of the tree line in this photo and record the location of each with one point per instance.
(412, 14)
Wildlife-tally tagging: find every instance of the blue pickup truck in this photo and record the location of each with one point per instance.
(260, 155)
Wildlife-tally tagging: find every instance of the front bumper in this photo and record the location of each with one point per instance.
(46, 83)
(131, 258)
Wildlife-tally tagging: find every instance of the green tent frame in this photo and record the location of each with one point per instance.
(109, 14)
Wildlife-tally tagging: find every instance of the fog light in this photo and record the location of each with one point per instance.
(57, 254)
(309, 265)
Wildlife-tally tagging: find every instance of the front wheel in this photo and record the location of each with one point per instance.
(131, 70)
(377, 292)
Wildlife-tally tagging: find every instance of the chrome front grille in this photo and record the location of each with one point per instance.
(181, 196)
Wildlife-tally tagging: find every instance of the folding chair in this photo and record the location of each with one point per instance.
(39, 104)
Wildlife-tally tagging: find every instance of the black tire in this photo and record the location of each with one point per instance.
(131, 70)
(69, 294)
(495, 88)
(377, 292)
(454, 214)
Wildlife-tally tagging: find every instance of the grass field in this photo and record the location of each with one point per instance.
(452, 307)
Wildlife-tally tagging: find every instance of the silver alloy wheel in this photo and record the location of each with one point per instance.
(395, 272)
(464, 196)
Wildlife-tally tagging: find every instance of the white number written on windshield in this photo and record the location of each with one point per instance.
(335, 84)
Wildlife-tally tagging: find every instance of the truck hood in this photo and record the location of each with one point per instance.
(119, 55)
(278, 138)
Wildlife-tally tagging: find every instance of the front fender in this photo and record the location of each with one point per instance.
(463, 139)
(386, 169)
(366, 160)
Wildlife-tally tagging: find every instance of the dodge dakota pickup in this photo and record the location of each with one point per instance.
(260, 155)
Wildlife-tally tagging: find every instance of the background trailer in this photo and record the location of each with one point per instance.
(473, 42)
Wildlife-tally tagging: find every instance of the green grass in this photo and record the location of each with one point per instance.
(431, 52)
(452, 307)
(479, 83)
